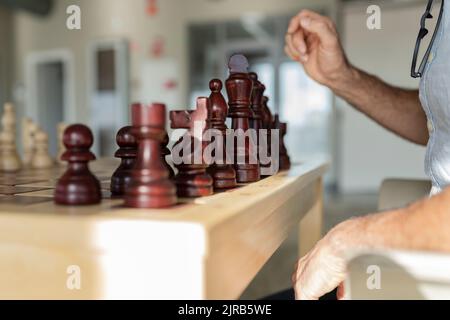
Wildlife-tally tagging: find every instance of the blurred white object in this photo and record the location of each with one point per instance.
(403, 276)
(398, 193)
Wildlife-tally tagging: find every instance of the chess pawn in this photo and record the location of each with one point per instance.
(223, 174)
(41, 158)
(257, 108)
(150, 185)
(267, 117)
(127, 152)
(165, 151)
(28, 129)
(284, 160)
(61, 149)
(267, 121)
(78, 186)
(192, 180)
(9, 159)
(239, 89)
(9, 118)
(257, 101)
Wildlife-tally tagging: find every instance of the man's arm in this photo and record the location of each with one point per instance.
(424, 225)
(398, 110)
(312, 40)
(421, 226)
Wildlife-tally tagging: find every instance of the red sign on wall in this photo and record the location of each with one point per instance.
(152, 7)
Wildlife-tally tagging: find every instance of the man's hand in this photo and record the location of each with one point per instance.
(324, 268)
(313, 41)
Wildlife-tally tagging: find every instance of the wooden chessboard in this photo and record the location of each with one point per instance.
(208, 247)
(35, 187)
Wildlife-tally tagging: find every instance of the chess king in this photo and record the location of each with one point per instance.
(239, 87)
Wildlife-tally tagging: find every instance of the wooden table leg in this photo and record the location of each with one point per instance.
(310, 227)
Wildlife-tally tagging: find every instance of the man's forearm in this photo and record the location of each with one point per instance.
(421, 226)
(398, 110)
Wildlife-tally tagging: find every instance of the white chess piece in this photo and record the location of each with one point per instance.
(9, 159)
(41, 158)
(9, 118)
(28, 130)
(61, 148)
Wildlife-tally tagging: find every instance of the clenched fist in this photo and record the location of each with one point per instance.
(313, 41)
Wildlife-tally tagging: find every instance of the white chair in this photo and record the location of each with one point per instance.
(397, 193)
(399, 274)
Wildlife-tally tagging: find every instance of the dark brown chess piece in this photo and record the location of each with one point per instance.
(239, 89)
(267, 117)
(165, 151)
(77, 186)
(223, 174)
(285, 162)
(127, 152)
(150, 186)
(256, 120)
(192, 180)
(257, 102)
(267, 121)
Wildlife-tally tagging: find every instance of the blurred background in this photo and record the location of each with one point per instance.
(168, 50)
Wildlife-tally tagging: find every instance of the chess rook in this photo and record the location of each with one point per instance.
(127, 152)
(239, 89)
(285, 162)
(192, 180)
(150, 186)
(77, 186)
(223, 174)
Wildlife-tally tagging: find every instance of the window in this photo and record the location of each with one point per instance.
(305, 105)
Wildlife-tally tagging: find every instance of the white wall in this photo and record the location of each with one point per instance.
(368, 153)
(128, 19)
(100, 19)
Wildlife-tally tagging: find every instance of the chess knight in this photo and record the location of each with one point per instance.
(208, 147)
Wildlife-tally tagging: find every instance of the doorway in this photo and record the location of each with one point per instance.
(50, 99)
(108, 92)
(50, 93)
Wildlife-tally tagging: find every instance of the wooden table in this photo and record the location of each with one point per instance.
(207, 248)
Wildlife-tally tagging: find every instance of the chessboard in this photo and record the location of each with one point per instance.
(32, 190)
(30, 187)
